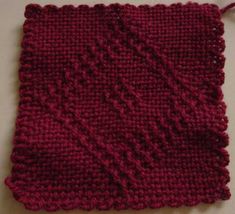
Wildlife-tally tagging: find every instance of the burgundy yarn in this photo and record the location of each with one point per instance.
(120, 107)
(228, 7)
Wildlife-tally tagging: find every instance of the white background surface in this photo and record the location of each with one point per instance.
(11, 20)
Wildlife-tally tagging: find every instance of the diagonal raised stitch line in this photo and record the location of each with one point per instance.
(189, 90)
(121, 83)
(137, 96)
(137, 31)
(119, 41)
(119, 108)
(171, 82)
(121, 95)
(181, 170)
(170, 130)
(66, 94)
(89, 146)
(130, 89)
(120, 103)
(141, 153)
(160, 119)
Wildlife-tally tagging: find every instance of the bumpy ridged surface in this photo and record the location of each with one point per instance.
(120, 107)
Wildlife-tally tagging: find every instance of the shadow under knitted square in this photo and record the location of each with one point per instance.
(120, 107)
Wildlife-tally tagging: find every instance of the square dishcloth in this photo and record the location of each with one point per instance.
(120, 107)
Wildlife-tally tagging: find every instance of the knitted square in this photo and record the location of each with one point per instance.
(120, 107)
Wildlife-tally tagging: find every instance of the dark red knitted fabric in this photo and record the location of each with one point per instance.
(120, 107)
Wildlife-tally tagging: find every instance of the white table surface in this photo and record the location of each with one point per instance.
(11, 20)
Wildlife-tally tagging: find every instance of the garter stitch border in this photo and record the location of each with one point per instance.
(120, 107)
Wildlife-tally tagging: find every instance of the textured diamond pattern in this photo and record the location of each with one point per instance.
(120, 107)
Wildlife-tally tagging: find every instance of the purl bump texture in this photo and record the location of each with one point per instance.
(120, 107)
